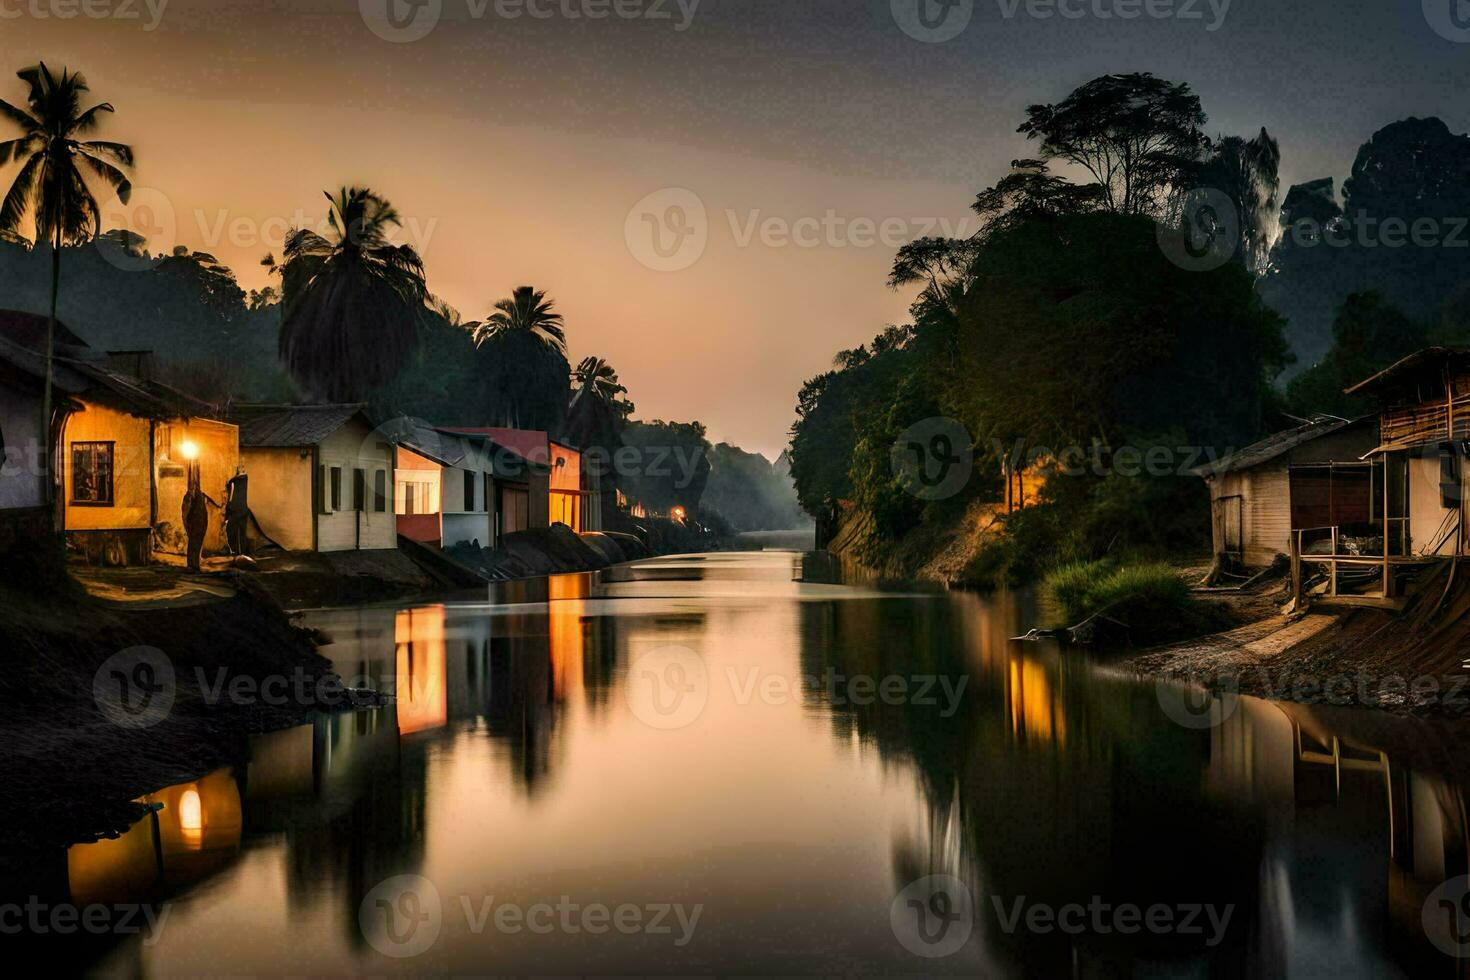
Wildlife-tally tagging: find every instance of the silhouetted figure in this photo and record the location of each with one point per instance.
(237, 512)
(196, 517)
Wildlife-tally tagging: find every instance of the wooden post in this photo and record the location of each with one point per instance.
(1296, 570)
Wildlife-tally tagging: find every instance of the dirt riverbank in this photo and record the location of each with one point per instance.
(106, 701)
(1409, 661)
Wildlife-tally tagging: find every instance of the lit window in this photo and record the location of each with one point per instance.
(91, 474)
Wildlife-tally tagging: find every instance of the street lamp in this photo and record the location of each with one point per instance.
(189, 450)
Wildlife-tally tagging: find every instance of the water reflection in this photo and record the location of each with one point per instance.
(511, 764)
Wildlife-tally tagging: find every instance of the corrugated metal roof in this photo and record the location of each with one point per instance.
(1275, 445)
(291, 426)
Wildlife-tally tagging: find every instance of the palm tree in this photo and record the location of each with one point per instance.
(352, 305)
(527, 312)
(528, 371)
(52, 187)
(599, 409)
(597, 376)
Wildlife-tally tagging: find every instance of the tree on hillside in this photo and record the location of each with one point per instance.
(671, 465)
(1137, 135)
(596, 376)
(52, 186)
(354, 303)
(1398, 231)
(1368, 335)
(598, 412)
(523, 346)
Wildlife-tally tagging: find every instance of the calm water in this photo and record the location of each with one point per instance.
(692, 746)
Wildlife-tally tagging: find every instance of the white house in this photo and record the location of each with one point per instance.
(321, 477)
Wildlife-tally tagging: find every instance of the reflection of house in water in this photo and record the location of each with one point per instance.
(1035, 711)
(1361, 840)
(457, 668)
(193, 832)
(419, 680)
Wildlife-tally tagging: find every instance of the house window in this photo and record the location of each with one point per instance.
(380, 491)
(359, 489)
(416, 498)
(469, 491)
(336, 488)
(91, 474)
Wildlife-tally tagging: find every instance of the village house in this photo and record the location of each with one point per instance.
(125, 444)
(1424, 420)
(571, 494)
(321, 477)
(1262, 494)
(446, 489)
(458, 486)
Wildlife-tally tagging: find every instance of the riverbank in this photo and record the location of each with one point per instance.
(1410, 661)
(106, 701)
(219, 646)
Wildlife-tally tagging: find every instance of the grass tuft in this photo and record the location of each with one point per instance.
(1154, 602)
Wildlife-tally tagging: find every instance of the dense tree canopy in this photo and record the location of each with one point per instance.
(1064, 330)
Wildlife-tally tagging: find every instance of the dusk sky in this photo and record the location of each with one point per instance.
(525, 150)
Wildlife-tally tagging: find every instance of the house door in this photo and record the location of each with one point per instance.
(1228, 519)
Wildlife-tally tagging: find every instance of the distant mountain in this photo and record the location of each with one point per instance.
(1402, 229)
(750, 492)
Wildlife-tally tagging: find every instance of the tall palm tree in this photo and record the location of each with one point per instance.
(597, 377)
(599, 408)
(352, 304)
(52, 187)
(527, 312)
(528, 371)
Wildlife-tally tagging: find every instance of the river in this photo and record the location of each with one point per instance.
(734, 763)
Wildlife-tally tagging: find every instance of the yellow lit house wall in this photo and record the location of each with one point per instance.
(280, 494)
(217, 445)
(132, 484)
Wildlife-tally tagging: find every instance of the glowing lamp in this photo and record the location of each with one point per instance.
(189, 450)
(679, 513)
(191, 816)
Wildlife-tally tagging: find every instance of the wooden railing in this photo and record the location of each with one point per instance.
(1425, 422)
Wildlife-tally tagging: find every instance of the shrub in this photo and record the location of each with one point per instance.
(1150, 599)
(1071, 585)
